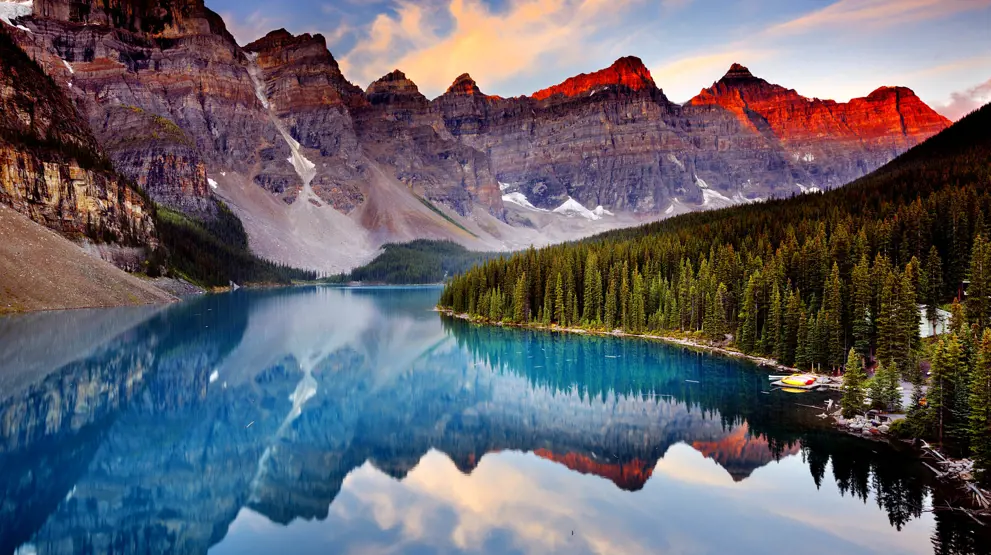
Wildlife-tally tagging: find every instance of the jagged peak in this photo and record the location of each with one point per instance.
(281, 38)
(465, 85)
(162, 18)
(394, 82)
(738, 71)
(394, 75)
(884, 91)
(628, 71)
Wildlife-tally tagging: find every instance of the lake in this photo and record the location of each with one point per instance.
(326, 420)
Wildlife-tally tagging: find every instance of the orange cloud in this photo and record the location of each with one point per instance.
(493, 46)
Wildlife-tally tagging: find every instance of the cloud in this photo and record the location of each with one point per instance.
(857, 14)
(964, 102)
(254, 26)
(494, 45)
(676, 76)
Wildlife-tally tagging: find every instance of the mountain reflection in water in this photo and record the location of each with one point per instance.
(357, 420)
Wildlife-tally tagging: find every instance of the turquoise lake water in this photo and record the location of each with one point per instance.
(326, 420)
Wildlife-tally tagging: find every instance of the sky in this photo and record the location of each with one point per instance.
(838, 49)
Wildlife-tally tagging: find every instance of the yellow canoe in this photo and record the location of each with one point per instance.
(799, 379)
(794, 390)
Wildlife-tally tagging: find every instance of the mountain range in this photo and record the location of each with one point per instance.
(322, 173)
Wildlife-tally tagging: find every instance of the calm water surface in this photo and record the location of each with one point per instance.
(358, 421)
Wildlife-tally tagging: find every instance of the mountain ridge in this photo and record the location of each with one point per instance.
(391, 165)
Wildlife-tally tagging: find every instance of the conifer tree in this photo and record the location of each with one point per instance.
(860, 316)
(548, 311)
(979, 290)
(835, 337)
(854, 377)
(792, 331)
(940, 394)
(610, 308)
(624, 301)
(909, 314)
(893, 389)
(980, 411)
(775, 325)
(560, 309)
(495, 306)
(932, 283)
(719, 309)
(590, 309)
(958, 317)
(748, 317)
(637, 309)
(521, 308)
(875, 387)
(958, 429)
(803, 356)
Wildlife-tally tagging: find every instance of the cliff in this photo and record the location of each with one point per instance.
(51, 167)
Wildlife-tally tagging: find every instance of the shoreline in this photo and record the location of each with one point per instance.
(979, 497)
(763, 362)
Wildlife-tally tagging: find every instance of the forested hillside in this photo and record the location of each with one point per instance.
(417, 262)
(214, 252)
(802, 280)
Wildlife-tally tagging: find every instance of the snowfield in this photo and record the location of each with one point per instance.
(10, 11)
(572, 207)
(520, 199)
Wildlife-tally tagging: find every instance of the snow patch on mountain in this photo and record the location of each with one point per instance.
(572, 207)
(520, 199)
(9, 11)
(712, 199)
(806, 190)
(305, 169)
(212, 183)
(740, 198)
(505, 186)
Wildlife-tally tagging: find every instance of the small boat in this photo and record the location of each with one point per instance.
(794, 390)
(799, 379)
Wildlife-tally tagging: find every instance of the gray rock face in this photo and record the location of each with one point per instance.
(166, 104)
(172, 96)
(52, 168)
(612, 138)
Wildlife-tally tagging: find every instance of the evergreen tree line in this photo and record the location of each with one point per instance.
(803, 280)
(214, 253)
(417, 262)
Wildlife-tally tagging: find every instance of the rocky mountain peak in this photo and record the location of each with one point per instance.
(160, 18)
(898, 93)
(392, 87)
(280, 40)
(464, 85)
(274, 39)
(629, 72)
(895, 116)
(738, 72)
(308, 72)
